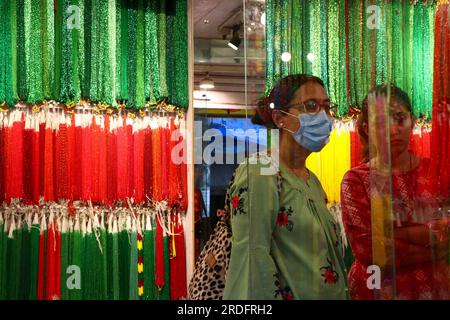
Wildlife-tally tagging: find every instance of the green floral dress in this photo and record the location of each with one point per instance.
(285, 243)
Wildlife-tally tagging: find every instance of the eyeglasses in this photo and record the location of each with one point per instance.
(313, 107)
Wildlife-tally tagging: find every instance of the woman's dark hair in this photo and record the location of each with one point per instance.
(281, 94)
(395, 92)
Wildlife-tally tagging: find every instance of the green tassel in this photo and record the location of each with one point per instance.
(25, 263)
(76, 244)
(95, 51)
(140, 94)
(116, 274)
(13, 264)
(58, 34)
(65, 253)
(87, 23)
(109, 264)
(113, 263)
(69, 70)
(95, 265)
(21, 52)
(34, 259)
(48, 47)
(149, 265)
(3, 258)
(162, 36)
(102, 269)
(133, 288)
(165, 292)
(123, 52)
(124, 265)
(132, 57)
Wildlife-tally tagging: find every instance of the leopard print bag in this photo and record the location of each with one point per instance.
(208, 280)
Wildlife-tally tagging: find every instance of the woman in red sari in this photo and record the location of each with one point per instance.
(420, 232)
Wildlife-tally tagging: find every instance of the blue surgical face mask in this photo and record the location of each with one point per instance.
(314, 131)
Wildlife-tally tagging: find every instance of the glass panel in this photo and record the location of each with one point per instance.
(382, 168)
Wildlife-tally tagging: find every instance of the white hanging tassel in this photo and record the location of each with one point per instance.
(64, 226)
(128, 225)
(138, 226)
(43, 223)
(83, 226)
(35, 218)
(148, 223)
(115, 229)
(110, 222)
(77, 224)
(89, 226)
(12, 228)
(6, 223)
(97, 233)
(120, 223)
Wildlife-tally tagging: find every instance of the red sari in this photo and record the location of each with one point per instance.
(413, 204)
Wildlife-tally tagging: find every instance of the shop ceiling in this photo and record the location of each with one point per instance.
(214, 22)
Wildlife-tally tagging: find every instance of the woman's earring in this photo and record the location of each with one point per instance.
(281, 124)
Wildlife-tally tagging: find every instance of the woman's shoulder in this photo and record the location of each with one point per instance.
(260, 163)
(358, 173)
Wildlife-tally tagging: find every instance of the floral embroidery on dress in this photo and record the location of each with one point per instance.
(237, 202)
(329, 274)
(283, 218)
(284, 291)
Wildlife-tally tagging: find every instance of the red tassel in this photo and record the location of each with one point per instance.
(57, 278)
(2, 164)
(157, 164)
(164, 164)
(41, 157)
(139, 166)
(173, 262)
(130, 160)
(183, 183)
(440, 134)
(112, 162)
(35, 159)
(63, 164)
(173, 169)
(356, 149)
(16, 164)
(71, 165)
(95, 164)
(7, 162)
(27, 165)
(102, 169)
(159, 256)
(178, 263)
(148, 163)
(78, 162)
(86, 164)
(49, 194)
(41, 268)
(181, 251)
(122, 161)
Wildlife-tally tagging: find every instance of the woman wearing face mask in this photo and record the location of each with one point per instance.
(420, 237)
(285, 242)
